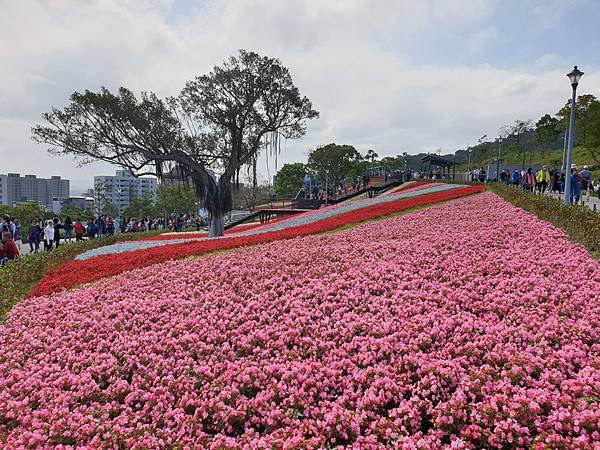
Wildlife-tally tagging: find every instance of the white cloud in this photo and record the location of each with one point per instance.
(369, 95)
(477, 41)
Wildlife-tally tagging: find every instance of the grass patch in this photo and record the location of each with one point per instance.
(580, 223)
(19, 277)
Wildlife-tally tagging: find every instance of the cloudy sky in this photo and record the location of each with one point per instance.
(392, 75)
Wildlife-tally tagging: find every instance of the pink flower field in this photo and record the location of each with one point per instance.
(466, 325)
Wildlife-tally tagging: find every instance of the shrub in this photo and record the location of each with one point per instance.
(580, 223)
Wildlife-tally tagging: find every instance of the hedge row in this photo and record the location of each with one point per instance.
(17, 278)
(580, 223)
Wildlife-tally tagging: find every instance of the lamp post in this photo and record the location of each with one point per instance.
(498, 160)
(326, 186)
(574, 77)
(562, 169)
(469, 153)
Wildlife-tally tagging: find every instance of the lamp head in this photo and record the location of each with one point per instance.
(574, 76)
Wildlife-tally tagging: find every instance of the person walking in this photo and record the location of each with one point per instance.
(79, 230)
(34, 236)
(49, 235)
(10, 226)
(542, 180)
(92, 229)
(563, 181)
(110, 226)
(57, 226)
(17, 238)
(481, 174)
(516, 178)
(529, 180)
(575, 184)
(555, 180)
(586, 179)
(100, 226)
(68, 227)
(502, 177)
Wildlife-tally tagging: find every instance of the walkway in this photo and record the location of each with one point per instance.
(591, 201)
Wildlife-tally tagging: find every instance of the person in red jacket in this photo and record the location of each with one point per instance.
(8, 251)
(79, 229)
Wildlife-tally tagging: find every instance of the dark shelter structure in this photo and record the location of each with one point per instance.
(442, 167)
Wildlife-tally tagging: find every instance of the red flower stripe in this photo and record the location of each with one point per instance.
(203, 234)
(77, 272)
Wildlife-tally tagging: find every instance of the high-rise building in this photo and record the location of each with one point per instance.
(3, 189)
(17, 189)
(121, 188)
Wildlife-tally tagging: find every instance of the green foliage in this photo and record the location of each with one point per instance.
(333, 161)
(25, 212)
(290, 178)
(103, 204)
(74, 213)
(19, 277)
(219, 121)
(142, 206)
(178, 199)
(587, 123)
(580, 223)
(371, 156)
(592, 136)
(546, 131)
(357, 169)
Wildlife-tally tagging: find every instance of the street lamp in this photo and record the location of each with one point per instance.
(326, 186)
(498, 160)
(469, 152)
(574, 77)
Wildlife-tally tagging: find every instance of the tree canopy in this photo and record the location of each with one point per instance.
(587, 123)
(215, 126)
(25, 212)
(333, 161)
(290, 178)
(546, 131)
(178, 199)
(142, 206)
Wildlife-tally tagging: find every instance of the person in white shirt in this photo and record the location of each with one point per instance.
(48, 235)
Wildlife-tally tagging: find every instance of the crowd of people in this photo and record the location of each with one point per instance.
(319, 192)
(48, 234)
(548, 179)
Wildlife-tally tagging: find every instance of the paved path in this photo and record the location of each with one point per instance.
(591, 201)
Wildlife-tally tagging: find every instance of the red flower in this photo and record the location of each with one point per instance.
(78, 272)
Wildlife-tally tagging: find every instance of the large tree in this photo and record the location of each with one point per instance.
(333, 161)
(546, 132)
(587, 122)
(217, 125)
(142, 206)
(521, 129)
(290, 178)
(592, 138)
(178, 199)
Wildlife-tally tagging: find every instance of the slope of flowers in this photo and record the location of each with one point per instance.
(443, 328)
(78, 272)
(301, 219)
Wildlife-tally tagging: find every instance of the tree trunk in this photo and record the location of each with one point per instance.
(216, 225)
(216, 197)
